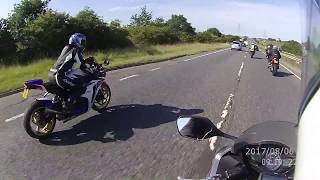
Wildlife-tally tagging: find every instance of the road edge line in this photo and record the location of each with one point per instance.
(14, 117)
(290, 71)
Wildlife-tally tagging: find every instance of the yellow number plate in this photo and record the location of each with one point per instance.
(25, 92)
(276, 62)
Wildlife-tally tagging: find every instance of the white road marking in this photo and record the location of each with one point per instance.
(205, 54)
(291, 71)
(129, 77)
(154, 69)
(224, 114)
(212, 141)
(14, 117)
(240, 70)
(219, 124)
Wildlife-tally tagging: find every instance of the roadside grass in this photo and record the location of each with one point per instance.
(13, 76)
(291, 64)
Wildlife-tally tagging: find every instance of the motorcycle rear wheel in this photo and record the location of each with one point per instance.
(274, 69)
(44, 122)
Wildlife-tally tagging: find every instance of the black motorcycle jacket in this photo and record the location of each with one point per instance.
(275, 54)
(69, 57)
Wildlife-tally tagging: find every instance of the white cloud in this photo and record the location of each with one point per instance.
(124, 8)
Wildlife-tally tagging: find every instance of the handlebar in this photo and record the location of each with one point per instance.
(96, 69)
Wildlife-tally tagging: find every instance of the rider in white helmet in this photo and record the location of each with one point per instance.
(252, 47)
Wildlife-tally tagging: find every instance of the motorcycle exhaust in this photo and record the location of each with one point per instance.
(52, 111)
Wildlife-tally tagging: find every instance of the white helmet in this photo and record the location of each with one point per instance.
(252, 43)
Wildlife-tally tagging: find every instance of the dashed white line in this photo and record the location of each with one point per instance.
(239, 73)
(154, 69)
(212, 141)
(14, 117)
(128, 77)
(224, 114)
(205, 54)
(219, 124)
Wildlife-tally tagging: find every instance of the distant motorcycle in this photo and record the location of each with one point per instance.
(40, 118)
(255, 154)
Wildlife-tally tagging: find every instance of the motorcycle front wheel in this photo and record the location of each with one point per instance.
(103, 98)
(37, 122)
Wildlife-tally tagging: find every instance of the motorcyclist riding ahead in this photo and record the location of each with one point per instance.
(253, 47)
(71, 71)
(268, 51)
(274, 53)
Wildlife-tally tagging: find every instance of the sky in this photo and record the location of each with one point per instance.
(244, 17)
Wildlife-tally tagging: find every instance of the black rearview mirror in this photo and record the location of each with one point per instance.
(106, 62)
(196, 127)
(200, 128)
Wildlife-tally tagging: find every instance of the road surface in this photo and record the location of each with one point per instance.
(137, 137)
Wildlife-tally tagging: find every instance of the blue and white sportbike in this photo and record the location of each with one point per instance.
(40, 118)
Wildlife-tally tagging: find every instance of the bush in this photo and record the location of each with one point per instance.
(292, 47)
(204, 37)
(152, 35)
(185, 37)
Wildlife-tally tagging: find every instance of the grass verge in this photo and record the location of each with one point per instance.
(12, 77)
(292, 65)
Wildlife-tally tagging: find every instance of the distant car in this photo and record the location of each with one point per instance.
(236, 45)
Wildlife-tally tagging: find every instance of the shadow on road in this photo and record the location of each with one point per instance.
(283, 74)
(117, 123)
(257, 57)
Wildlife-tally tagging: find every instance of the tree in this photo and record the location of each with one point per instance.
(271, 39)
(214, 32)
(93, 26)
(142, 19)
(179, 23)
(48, 33)
(22, 14)
(7, 43)
(115, 23)
(159, 22)
(99, 34)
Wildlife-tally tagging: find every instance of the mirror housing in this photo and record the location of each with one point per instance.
(106, 62)
(196, 127)
(200, 128)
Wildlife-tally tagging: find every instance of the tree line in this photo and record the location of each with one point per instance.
(33, 30)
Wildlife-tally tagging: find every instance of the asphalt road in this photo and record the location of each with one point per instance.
(137, 137)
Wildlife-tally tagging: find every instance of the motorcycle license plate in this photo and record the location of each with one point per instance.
(25, 92)
(275, 61)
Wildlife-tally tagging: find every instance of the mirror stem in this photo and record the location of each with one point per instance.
(229, 136)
